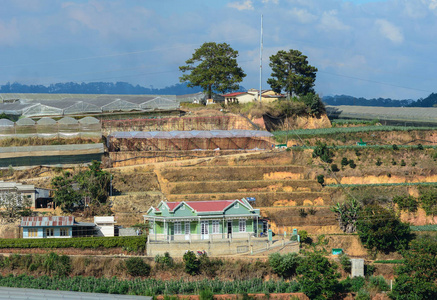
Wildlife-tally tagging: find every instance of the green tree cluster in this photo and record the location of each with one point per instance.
(381, 230)
(72, 190)
(417, 276)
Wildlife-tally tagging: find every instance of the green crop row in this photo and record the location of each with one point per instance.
(391, 261)
(424, 228)
(384, 184)
(130, 243)
(148, 287)
(336, 130)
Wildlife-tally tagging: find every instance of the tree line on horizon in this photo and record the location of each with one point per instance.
(430, 101)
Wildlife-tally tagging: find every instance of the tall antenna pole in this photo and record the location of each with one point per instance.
(261, 60)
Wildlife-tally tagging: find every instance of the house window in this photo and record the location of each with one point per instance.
(177, 228)
(50, 232)
(64, 232)
(215, 226)
(32, 232)
(242, 225)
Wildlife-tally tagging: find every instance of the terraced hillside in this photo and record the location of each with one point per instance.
(275, 179)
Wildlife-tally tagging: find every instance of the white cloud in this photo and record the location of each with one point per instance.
(390, 31)
(330, 22)
(244, 5)
(302, 15)
(433, 4)
(273, 1)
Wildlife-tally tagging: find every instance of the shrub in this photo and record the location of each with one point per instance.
(352, 164)
(428, 200)
(284, 265)
(323, 152)
(165, 261)
(136, 266)
(408, 203)
(378, 283)
(192, 263)
(345, 262)
(378, 162)
(304, 238)
(303, 213)
(334, 168)
(344, 161)
(403, 164)
(395, 147)
(206, 294)
(321, 179)
(419, 147)
(393, 162)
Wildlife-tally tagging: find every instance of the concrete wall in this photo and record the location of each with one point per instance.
(218, 247)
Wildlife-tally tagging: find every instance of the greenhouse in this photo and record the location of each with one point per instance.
(189, 140)
(38, 105)
(401, 115)
(45, 127)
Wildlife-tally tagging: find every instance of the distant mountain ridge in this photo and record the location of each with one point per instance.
(121, 88)
(350, 100)
(182, 89)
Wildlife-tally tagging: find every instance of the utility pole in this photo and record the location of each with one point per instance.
(261, 60)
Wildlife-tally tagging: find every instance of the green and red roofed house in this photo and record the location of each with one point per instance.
(204, 220)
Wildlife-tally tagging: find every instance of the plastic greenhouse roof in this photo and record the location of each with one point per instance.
(46, 121)
(64, 104)
(89, 120)
(25, 122)
(68, 120)
(189, 134)
(6, 123)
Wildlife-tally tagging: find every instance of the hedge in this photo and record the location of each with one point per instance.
(129, 243)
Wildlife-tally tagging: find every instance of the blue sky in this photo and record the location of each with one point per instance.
(377, 48)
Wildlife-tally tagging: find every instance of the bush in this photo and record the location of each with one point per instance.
(395, 147)
(378, 162)
(344, 161)
(321, 179)
(381, 230)
(165, 261)
(393, 162)
(378, 283)
(334, 168)
(323, 152)
(136, 266)
(403, 164)
(419, 147)
(408, 203)
(304, 238)
(206, 294)
(192, 263)
(345, 262)
(284, 265)
(352, 164)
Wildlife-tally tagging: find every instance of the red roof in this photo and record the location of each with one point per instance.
(204, 206)
(234, 94)
(47, 221)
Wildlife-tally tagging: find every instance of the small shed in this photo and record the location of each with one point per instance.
(55, 227)
(105, 226)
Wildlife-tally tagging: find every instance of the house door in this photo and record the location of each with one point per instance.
(204, 230)
(187, 231)
(229, 229)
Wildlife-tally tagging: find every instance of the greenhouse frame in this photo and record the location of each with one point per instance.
(189, 140)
